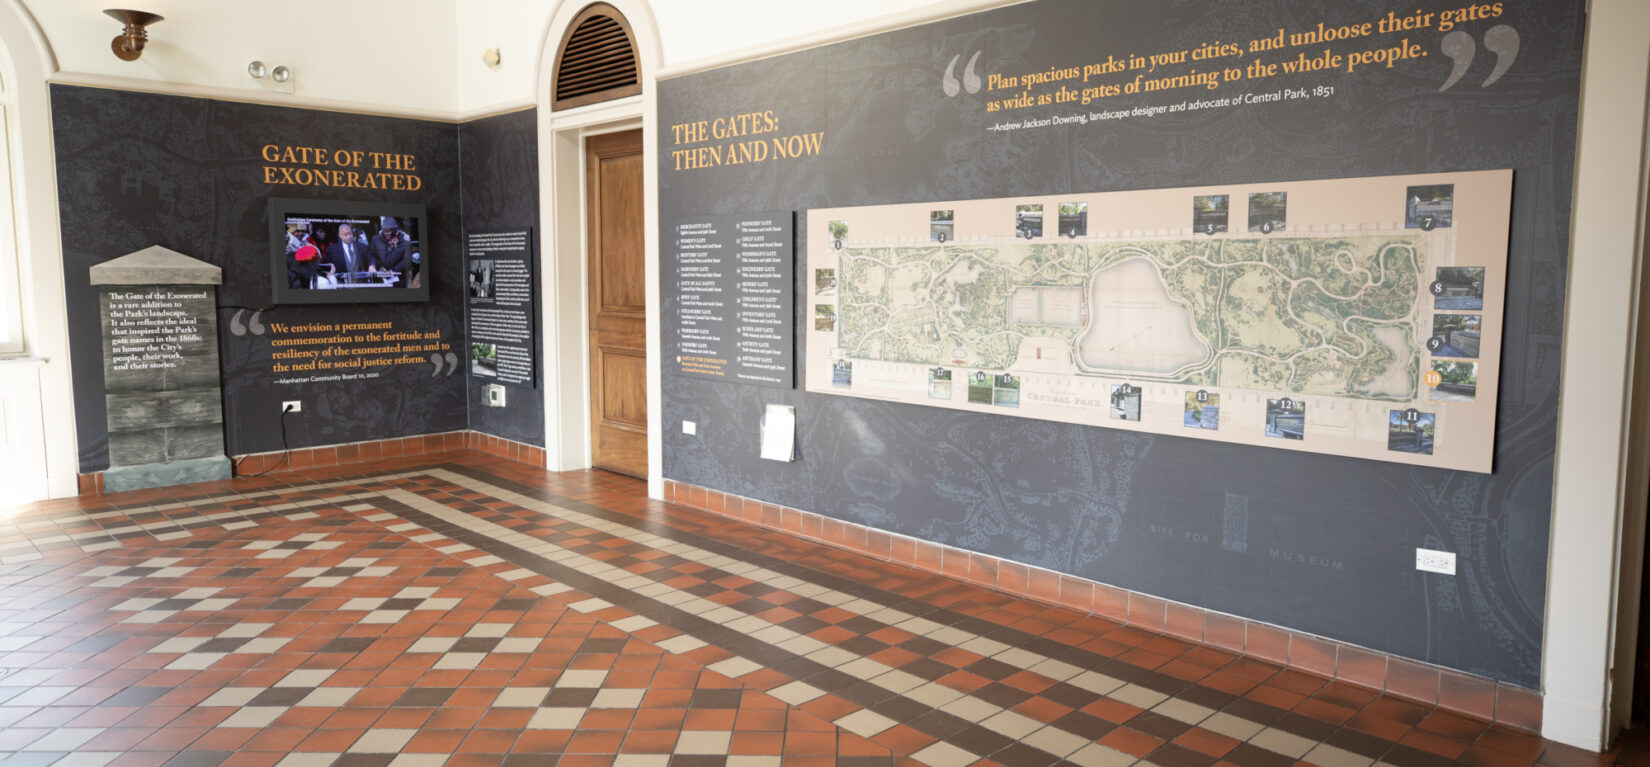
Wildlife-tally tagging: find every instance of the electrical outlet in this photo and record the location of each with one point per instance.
(1435, 561)
(690, 427)
(495, 395)
(292, 406)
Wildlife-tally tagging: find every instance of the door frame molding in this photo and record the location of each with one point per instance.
(28, 62)
(562, 220)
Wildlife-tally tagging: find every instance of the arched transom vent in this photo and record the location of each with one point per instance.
(597, 61)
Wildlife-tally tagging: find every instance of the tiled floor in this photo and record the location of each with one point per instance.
(456, 609)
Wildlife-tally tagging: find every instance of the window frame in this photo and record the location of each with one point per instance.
(12, 332)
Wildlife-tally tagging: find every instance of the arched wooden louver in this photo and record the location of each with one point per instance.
(597, 60)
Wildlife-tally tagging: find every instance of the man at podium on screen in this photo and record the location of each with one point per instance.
(348, 255)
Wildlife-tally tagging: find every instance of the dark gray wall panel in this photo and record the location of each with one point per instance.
(1316, 543)
(139, 169)
(499, 161)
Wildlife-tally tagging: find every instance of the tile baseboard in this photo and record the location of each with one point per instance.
(1467, 694)
(282, 461)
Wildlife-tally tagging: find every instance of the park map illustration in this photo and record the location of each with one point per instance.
(1328, 314)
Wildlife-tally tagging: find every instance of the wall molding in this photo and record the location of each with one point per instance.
(1467, 694)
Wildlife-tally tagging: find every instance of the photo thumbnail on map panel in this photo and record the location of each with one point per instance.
(1074, 219)
(1410, 431)
(1455, 335)
(979, 388)
(842, 373)
(942, 225)
(1458, 288)
(1125, 402)
(1457, 381)
(1209, 213)
(839, 232)
(1429, 206)
(1286, 418)
(825, 317)
(939, 383)
(824, 282)
(1028, 220)
(1268, 211)
(1005, 390)
(1202, 410)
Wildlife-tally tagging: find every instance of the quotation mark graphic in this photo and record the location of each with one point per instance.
(436, 360)
(1501, 39)
(970, 80)
(240, 328)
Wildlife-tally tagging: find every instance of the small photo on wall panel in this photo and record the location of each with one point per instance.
(842, 373)
(1411, 431)
(1074, 219)
(1453, 381)
(1125, 402)
(825, 317)
(939, 383)
(1455, 335)
(1005, 390)
(1210, 213)
(979, 388)
(824, 282)
(1458, 288)
(1028, 221)
(1202, 410)
(1286, 418)
(942, 226)
(1268, 212)
(1429, 206)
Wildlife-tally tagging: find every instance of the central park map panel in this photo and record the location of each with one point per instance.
(1357, 317)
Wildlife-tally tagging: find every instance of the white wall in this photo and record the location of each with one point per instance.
(688, 30)
(417, 57)
(362, 55)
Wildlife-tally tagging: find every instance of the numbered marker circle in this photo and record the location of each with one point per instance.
(1436, 287)
(1202, 396)
(1435, 343)
(837, 244)
(1427, 223)
(1432, 378)
(1028, 234)
(1209, 229)
(1412, 415)
(1266, 228)
(1286, 403)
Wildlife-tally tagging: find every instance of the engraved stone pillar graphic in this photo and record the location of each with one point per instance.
(160, 369)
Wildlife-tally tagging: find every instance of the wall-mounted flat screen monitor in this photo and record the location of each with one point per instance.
(340, 252)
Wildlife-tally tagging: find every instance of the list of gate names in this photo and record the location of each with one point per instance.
(734, 276)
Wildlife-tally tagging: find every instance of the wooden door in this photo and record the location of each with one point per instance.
(618, 304)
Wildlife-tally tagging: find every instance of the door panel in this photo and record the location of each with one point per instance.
(618, 304)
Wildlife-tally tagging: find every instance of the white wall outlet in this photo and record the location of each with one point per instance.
(690, 427)
(1435, 561)
(292, 406)
(495, 395)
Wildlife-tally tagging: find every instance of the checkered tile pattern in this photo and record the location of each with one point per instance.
(472, 613)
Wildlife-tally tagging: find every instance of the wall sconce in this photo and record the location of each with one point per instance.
(490, 58)
(128, 45)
